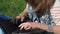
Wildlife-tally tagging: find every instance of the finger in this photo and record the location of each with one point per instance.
(18, 17)
(28, 28)
(21, 24)
(21, 27)
(22, 18)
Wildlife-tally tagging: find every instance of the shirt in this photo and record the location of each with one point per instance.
(44, 19)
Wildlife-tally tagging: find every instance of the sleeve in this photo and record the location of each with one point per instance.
(49, 20)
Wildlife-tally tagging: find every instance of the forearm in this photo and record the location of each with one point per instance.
(42, 26)
(25, 11)
(55, 29)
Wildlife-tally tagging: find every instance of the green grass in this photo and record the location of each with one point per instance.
(11, 8)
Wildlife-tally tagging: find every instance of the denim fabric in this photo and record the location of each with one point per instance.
(1, 31)
(2, 19)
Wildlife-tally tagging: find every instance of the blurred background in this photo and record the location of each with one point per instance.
(11, 8)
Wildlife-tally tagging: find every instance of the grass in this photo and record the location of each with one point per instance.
(11, 8)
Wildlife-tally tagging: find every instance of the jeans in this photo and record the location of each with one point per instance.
(3, 18)
(1, 31)
(7, 27)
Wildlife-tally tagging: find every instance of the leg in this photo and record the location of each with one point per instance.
(1, 31)
(4, 18)
(6, 25)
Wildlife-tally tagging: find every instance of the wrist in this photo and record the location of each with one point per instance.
(42, 26)
(24, 14)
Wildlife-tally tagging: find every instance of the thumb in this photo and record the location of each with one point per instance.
(18, 17)
(22, 19)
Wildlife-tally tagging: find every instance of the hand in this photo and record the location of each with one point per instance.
(21, 17)
(28, 25)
